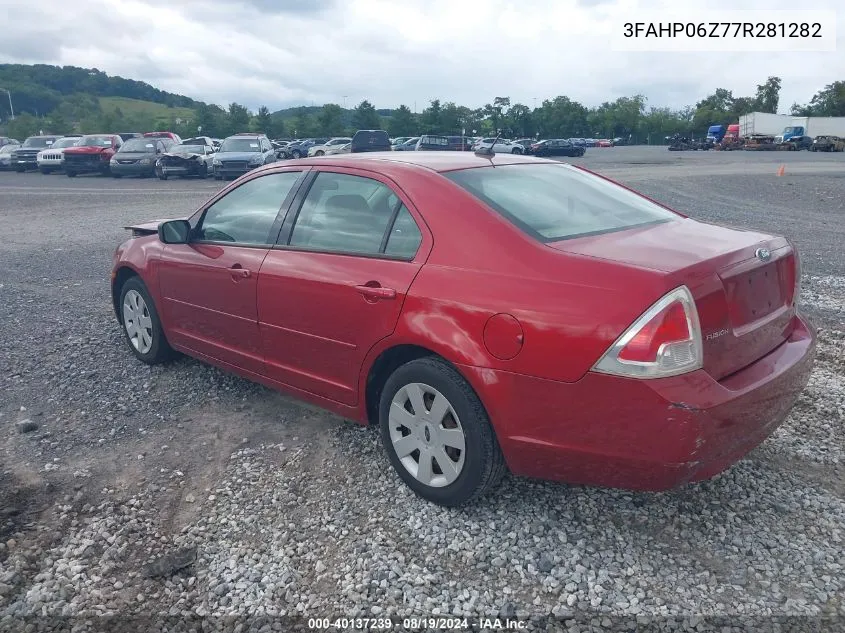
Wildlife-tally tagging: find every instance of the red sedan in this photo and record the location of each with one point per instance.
(488, 313)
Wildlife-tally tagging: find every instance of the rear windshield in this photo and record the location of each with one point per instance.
(556, 202)
(95, 141)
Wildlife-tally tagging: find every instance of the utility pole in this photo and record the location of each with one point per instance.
(344, 101)
(11, 107)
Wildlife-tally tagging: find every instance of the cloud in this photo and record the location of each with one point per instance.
(391, 52)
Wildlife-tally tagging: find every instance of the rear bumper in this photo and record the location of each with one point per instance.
(643, 434)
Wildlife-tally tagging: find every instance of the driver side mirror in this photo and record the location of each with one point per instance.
(174, 232)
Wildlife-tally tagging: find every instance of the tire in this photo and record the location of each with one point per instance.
(319, 153)
(70, 173)
(20, 170)
(46, 171)
(516, 150)
(117, 175)
(151, 347)
(296, 153)
(162, 176)
(218, 177)
(479, 466)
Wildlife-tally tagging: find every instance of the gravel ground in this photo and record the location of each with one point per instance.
(261, 506)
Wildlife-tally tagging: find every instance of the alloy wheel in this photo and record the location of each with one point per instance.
(137, 321)
(427, 435)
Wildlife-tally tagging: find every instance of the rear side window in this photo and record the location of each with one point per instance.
(370, 140)
(556, 202)
(405, 237)
(344, 213)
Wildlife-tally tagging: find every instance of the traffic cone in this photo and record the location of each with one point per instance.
(781, 170)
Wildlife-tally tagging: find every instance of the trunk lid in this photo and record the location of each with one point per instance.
(745, 301)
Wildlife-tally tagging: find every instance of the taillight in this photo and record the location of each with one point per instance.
(664, 341)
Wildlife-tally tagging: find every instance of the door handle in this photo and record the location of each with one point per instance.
(376, 292)
(239, 272)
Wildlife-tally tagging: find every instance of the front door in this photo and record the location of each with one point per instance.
(335, 284)
(209, 286)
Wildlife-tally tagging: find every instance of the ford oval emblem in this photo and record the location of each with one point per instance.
(763, 254)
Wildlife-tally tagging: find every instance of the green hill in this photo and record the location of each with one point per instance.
(136, 107)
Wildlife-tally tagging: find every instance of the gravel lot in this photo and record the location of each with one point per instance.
(273, 508)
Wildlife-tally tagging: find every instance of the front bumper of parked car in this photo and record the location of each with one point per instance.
(134, 168)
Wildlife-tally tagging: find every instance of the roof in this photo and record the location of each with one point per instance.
(436, 161)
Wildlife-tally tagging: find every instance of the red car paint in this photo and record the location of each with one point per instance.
(82, 159)
(522, 321)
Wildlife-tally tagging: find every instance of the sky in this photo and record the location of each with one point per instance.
(282, 53)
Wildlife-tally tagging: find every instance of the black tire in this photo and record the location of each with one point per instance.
(516, 150)
(20, 170)
(117, 175)
(218, 177)
(70, 173)
(296, 153)
(319, 153)
(484, 465)
(160, 350)
(46, 171)
(162, 176)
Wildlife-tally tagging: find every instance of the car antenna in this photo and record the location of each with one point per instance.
(487, 152)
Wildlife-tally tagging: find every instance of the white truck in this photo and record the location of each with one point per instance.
(763, 123)
(814, 126)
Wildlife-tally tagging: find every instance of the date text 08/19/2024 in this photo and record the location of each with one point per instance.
(419, 624)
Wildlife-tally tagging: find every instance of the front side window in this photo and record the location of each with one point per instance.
(37, 141)
(344, 213)
(245, 215)
(555, 202)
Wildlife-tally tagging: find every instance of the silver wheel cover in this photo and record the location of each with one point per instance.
(427, 435)
(137, 321)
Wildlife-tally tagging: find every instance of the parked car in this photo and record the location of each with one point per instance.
(796, 143)
(6, 156)
(92, 154)
(137, 157)
(369, 141)
(320, 150)
(432, 143)
(338, 149)
(125, 136)
(580, 142)
(465, 306)
(526, 142)
(241, 153)
(502, 146)
(556, 147)
(171, 135)
(460, 143)
(53, 159)
(827, 143)
(619, 141)
(589, 142)
(25, 157)
(197, 140)
(399, 140)
(299, 148)
(408, 146)
(5, 140)
(604, 143)
(186, 160)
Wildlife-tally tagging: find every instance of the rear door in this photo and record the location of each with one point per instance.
(208, 286)
(334, 284)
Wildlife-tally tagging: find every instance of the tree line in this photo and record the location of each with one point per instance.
(626, 117)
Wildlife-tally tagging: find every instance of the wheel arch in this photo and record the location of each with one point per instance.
(119, 277)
